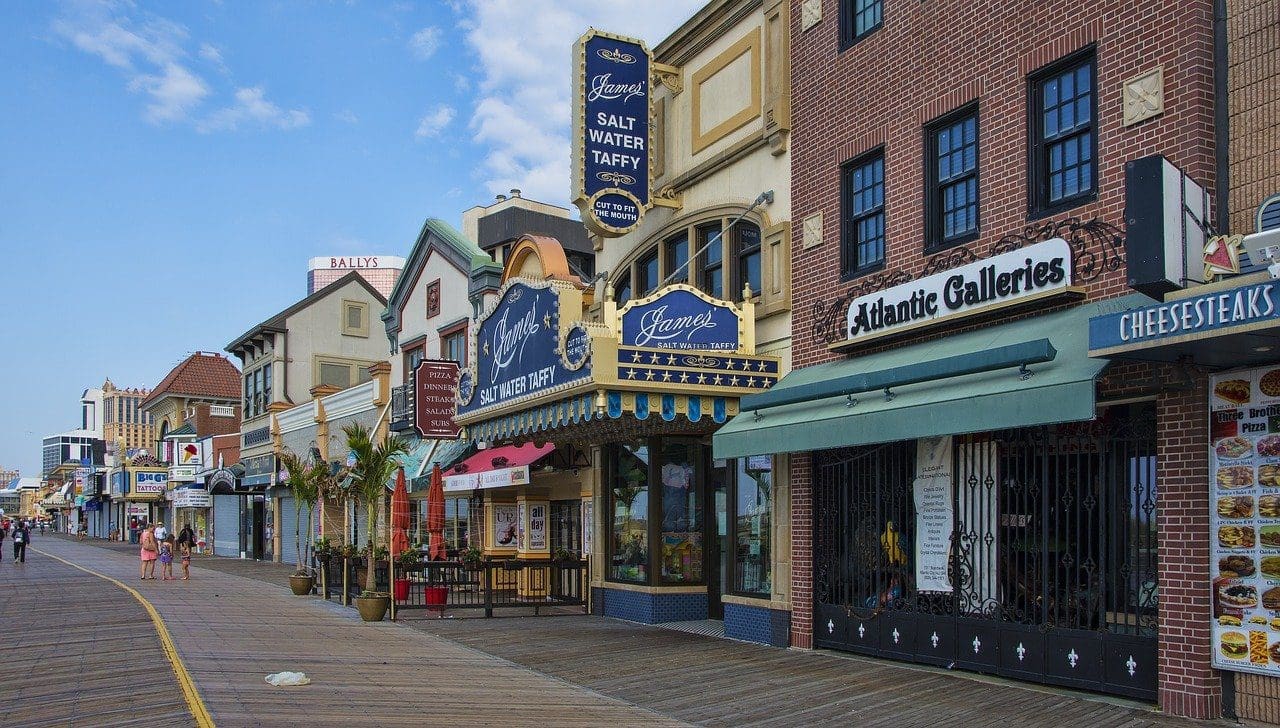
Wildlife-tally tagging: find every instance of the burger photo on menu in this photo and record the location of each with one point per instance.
(1235, 506)
(1271, 598)
(1269, 476)
(1235, 565)
(1270, 537)
(1234, 391)
(1234, 645)
(1269, 446)
(1239, 537)
(1231, 477)
(1233, 448)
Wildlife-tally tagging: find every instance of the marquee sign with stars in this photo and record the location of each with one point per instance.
(517, 350)
(698, 370)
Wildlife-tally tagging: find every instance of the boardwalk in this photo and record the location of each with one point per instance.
(232, 630)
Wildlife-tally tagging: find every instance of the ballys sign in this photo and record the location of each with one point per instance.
(517, 350)
(681, 317)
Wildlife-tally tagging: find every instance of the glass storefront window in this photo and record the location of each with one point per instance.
(752, 524)
(629, 505)
(681, 513)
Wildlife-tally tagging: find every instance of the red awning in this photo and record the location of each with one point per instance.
(509, 463)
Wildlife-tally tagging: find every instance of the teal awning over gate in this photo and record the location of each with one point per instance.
(968, 382)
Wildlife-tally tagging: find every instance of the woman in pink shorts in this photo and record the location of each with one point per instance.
(150, 550)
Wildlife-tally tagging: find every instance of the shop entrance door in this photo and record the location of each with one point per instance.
(256, 513)
(1051, 571)
(717, 537)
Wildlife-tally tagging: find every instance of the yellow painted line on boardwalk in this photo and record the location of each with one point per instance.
(194, 703)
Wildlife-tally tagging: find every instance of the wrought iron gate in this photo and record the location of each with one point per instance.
(1052, 558)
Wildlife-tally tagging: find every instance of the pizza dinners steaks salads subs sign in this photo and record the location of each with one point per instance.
(1244, 427)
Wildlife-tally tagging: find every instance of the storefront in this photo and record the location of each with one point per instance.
(243, 519)
(984, 499)
(191, 507)
(613, 421)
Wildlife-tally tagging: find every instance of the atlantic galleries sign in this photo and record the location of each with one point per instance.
(611, 131)
(1019, 276)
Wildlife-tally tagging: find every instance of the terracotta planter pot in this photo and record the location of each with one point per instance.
(301, 585)
(372, 609)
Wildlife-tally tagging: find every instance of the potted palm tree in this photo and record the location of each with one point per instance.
(304, 480)
(374, 467)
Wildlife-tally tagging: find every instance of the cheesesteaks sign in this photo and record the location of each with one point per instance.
(611, 132)
(680, 317)
(517, 350)
(1025, 274)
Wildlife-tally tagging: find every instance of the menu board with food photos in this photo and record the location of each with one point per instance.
(1244, 487)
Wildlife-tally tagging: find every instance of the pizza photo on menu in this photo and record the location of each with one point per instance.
(1269, 446)
(1269, 384)
(1233, 448)
(1235, 391)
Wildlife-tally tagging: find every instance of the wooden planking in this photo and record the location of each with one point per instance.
(232, 631)
(79, 651)
(710, 681)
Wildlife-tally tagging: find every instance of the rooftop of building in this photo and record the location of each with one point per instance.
(203, 374)
(277, 322)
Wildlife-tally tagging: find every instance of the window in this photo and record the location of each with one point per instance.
(340, 373)
(355, 318)
(1062, 139)
(951, 211)
(622, 289)
(267, 394)
(411, 359)
(858, 18)
(752, 520)
(682, 522)
(746, 237)
(677, 257)
(647, 278)
(247, 409)
(456, 531)
(629, 509)
(453, 346)
(862, 207)
(711, 273)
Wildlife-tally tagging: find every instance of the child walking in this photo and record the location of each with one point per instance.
(184, 548)
(166, 560)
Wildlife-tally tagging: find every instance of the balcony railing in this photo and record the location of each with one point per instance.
(401, 408)
(258, 436)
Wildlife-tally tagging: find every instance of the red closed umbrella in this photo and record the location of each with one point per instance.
(399, 515)
(435, 515)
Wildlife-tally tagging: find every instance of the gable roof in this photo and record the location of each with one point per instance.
(436, 236)
(200, 375)
(277, 323)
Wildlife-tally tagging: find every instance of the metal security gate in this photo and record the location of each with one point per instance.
(226, 525)
(288, 539)
(1052, 554)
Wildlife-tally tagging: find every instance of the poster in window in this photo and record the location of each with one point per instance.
(933, 501)
(1244, 510)
(520, 529)
(588, 524)
(537, 526)
(505, 528)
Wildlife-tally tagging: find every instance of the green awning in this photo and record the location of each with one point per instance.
(1061, 390)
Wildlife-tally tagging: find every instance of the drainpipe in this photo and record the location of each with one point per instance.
(1221, 117)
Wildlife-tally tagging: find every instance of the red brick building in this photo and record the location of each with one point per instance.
(936, 142)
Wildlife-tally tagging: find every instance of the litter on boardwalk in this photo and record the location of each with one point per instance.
(282, 679)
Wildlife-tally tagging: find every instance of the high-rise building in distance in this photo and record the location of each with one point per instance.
(380, 270)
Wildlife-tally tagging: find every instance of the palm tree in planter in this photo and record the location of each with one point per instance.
(304, 480)
(374, 468)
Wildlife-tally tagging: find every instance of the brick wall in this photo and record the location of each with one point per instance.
(206, 424)
(1253, 75)
(931, 58)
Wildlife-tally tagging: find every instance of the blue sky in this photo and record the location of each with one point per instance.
(166, 169)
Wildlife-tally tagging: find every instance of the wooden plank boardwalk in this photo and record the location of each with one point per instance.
(232, 631)
(717, 682)
(79, 651)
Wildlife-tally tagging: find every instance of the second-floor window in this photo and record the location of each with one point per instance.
(647, 278)
(411, 360)
(711, 270)
(257, 391)
(1063, 142)
(677, 254)
(746, 243)
(858, 18)
(862, 213)
(622, 290)
(951, 210)
(453, 346)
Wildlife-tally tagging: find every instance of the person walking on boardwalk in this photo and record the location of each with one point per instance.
(149, 552)
(21, 535)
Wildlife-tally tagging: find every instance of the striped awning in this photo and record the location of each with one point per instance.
(616, 411)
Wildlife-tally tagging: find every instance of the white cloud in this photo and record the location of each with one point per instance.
(347, 116)
(425, 42)
(522, 110)
(252, 107)
(152, 53)
(435, 121)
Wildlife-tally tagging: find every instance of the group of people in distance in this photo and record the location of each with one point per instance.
(159, 544)
(19, 532)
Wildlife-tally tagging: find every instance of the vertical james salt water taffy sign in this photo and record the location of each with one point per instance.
(611, 131)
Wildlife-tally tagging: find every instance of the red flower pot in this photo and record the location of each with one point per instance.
(401, 590)
(437, 595)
